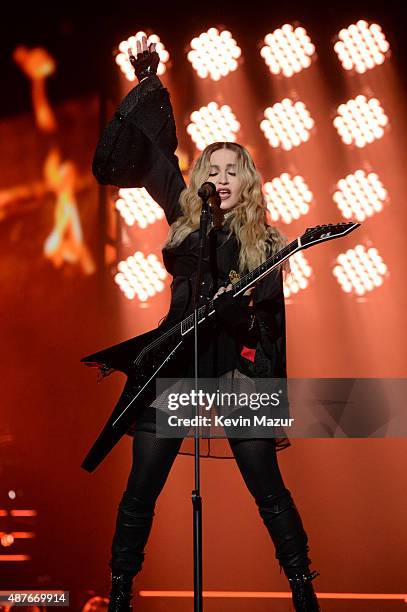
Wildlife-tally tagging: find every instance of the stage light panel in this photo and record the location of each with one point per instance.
(7, 539)
(287, 50)
(213, 123)
(298, 279)
(361, 46)
(122, 58)
(360, 270)
(140, 276)
(287, 124)
(360, 121)
(214, 54)
(360, 195)
(287, 197)
(137, 206)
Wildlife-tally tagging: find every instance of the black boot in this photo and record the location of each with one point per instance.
(304, 598)
(121, 593)
(133, 526)
(285, 527)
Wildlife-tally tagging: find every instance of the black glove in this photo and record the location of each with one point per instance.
(233, 310)
(145, 64)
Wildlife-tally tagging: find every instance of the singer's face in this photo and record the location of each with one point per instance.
(223, 175)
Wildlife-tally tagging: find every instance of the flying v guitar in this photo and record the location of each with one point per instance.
(144, 357)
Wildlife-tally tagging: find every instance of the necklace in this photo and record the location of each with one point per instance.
(228, 214)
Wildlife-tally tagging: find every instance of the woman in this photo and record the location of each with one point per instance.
(137, 150)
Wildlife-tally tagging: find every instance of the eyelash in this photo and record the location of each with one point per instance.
(231, 173)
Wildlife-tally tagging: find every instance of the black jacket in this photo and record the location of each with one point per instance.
(137, 149)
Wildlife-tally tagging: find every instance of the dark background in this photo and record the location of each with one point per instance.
(82, 36)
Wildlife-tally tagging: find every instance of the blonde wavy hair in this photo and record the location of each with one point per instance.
(256, 239)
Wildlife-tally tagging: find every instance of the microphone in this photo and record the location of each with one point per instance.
(206, 191)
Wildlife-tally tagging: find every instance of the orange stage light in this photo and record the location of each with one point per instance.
(19, 535)
(277, 595)
(360, 121)
(141, 276)
(8, 558)
(360, 195)
(212, 123)
(360, 270)
(214, 54)
(288, 197)
(361, 46)
(6, 539)
(287, 124)
(137, 206)
(287, 51)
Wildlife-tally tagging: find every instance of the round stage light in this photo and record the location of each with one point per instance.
(360, 195)
(213, 123)
(360, 270)
(287, 124)
(214, 54)
(140, 276)
(287, 50)
(7, 539)
(360, 121)
(137, 206)
(361, 46)
(287, 197)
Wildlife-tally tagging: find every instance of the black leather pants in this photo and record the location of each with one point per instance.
(152, 461)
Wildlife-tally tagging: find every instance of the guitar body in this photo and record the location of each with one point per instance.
(121, 356)
(141, 367)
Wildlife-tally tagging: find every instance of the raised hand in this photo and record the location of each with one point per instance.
(146, 61)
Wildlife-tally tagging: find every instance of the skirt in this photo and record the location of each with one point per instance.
(213, 441)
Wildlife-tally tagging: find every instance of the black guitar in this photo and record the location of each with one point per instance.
(144, 357)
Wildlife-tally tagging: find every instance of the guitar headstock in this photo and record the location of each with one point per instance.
(330, 231)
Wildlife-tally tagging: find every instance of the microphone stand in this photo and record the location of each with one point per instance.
(196, 495)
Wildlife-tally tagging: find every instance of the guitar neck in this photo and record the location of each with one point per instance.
(266, 267)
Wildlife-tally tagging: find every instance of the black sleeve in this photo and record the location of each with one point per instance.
(238, 316)
(269, 308)
(137, 147)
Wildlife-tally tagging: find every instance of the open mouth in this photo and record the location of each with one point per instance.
(224, 193)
